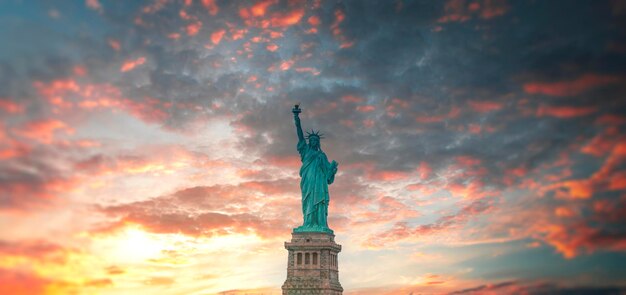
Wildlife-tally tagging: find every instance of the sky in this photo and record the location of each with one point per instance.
(148, 147)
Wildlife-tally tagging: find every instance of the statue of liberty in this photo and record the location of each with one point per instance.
(316, 173)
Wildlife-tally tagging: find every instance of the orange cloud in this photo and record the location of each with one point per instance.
(602, 143)
(237, 34)
(564, 212)
(287, 19)
(43, 130)
(571, 240)
(216, 36)
(272, 47)
(131, 64)
(210, 6)
(606, 178)
(314, 20)
(22, 283)
(259, 8)
(13, 149)
(31, 257)
(193, 28)
(570, 87)
(255, 15)
(286, 65)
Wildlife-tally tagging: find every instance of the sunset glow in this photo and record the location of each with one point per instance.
(148, 147)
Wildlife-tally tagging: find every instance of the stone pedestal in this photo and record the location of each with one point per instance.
(312, 266)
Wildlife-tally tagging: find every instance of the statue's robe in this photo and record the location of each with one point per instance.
(316, 174)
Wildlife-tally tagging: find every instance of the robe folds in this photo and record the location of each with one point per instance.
(316, 174)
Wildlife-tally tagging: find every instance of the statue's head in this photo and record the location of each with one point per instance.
(314, 139)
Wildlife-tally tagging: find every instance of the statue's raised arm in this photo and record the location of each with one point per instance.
(296, 112)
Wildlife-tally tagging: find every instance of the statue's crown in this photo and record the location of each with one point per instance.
(314, 133)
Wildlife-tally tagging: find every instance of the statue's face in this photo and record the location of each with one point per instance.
(314, 142)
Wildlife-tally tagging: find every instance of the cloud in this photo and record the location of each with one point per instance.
(572, 87)
(216, 36)
(94, 4)
(536, 289)
(43, 131)
(211, 6)
(131, 64)
(402, 230)
(565, 112)
(197, 211)
(461, 10)
(20, 283)
(434, 111)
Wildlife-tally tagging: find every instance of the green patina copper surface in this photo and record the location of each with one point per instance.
(316, 173)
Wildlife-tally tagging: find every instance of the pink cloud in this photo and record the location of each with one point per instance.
(576, 86)
(366, 108)
(352, 99)
(453, 113)
(424, 170)
(94, 4)
(485, 106)
(155, 6)
(67, 95)
(272, 47)
(462, 10)
(43, 131)
(387, 175)
(335, 28)
(313, 71)
(131, 64)
(565, 112)
(10, 106)
(402, 231)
